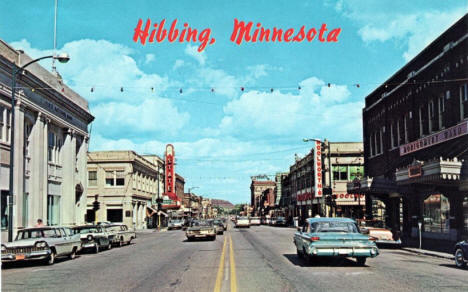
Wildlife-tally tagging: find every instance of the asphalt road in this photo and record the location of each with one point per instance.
(260, 258)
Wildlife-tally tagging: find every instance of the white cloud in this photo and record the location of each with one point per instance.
(416, 23)
(309, 112)
(192, 51)
(108, 67)
(149, 58)
(105, 66)
(178, 63)
(150, 116)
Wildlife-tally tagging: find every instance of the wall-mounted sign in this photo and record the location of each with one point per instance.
(170, 173)
(437, 138)
(414, 170)
(318, 169)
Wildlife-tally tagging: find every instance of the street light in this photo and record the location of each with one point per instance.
(62, 58)
(190, 194)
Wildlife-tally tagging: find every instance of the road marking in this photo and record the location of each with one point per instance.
(219, 276)
(233, 267)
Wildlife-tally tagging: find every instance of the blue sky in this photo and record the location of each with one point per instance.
(221, 138)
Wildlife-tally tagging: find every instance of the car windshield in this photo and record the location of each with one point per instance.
(202, 223)
(175, 221)
(334, 226)
(85, 230)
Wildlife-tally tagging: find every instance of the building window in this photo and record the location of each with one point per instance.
(92, 178)
(394, 134)
(378, 142)
(4, 207)
(115, 178)
(356, 171)
(433, 123)
(436, 213)
(441, 107)
(464, 101)
(2, 123)
(114, 215)
(25, 209)
(340, 172)
(53, 210)
(8, 126)
(54, 144)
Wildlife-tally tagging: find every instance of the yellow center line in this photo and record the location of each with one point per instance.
(219, 276)
(233, 266)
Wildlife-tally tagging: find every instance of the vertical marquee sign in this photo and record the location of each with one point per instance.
(318, 169)
(170, 172)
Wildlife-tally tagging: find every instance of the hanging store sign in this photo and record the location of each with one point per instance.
(415, 170)
(437, 138)
(318, 169)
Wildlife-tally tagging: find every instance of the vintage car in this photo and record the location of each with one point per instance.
(119, 233)
(93, 237)
(243, 222)
(219, 226)
(461, 254)
(280, 221)
(333, 237)
(175, 224)
(201, 229)
(383, 236)
(255, 221)
(41, 243)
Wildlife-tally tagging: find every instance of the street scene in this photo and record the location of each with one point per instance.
(248, 146)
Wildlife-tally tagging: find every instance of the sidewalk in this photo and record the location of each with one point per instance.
(443, 255)
(150, 230)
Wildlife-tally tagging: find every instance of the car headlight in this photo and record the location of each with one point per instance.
(3, 247)
(41, 244)
(90, 237)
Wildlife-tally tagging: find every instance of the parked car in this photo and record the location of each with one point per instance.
(272, 221)
(280, 221)
(201, 229)
(175, 224)
(219, 226)
(255, 221)
(333, 237)
(461, 254)
(41, 243)
(243, 222)
(383, 236)
(119, 233)
(93, 237)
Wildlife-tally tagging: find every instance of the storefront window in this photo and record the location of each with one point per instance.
(465, 215)
(436, 214)
(53, 210)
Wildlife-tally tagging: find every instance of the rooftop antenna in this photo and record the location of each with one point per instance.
(54, 69)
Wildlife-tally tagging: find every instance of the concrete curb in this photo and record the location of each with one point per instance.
(429, 253)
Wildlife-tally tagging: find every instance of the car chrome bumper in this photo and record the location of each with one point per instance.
(88, 245)
(35, 255)
(389, 242)
(344, 251)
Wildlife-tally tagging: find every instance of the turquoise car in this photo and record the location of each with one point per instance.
(333, 237)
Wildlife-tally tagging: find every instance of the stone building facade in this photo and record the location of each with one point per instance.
(51, 141)
(125, 185)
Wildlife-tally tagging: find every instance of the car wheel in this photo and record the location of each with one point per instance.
(73, 254)
(96, 248)
(213, 238)
(459, 258)
(361, 261)
(129, 241)
(109, 245)
(51, 258)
